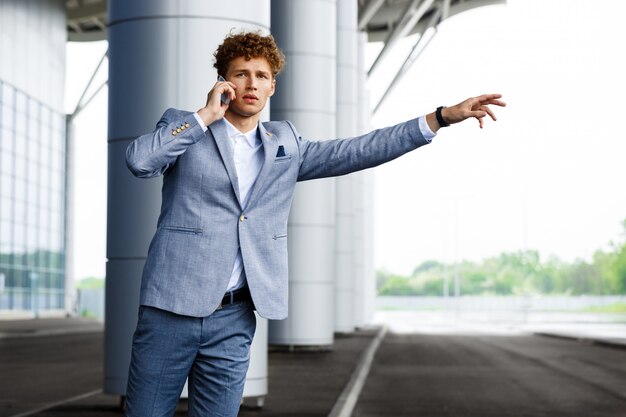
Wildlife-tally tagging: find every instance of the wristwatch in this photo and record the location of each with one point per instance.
(439, 117)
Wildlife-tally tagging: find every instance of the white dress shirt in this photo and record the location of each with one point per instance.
(248, 155)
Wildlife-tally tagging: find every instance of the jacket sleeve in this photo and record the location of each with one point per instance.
(150, 155)
(320, 159)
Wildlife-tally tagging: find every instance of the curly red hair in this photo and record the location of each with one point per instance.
(249, 45)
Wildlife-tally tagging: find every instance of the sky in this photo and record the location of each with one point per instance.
(548, 175)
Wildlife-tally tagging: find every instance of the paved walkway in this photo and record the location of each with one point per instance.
(53, 368)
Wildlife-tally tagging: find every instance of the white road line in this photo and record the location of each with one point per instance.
(350, 394)
(58, 403)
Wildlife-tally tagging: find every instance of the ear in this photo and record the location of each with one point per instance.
(273, 87)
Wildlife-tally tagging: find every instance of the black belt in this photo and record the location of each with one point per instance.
(236, 296)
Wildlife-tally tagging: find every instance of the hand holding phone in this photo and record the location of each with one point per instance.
(224, 97)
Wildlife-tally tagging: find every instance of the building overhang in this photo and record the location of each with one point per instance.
(87, 19)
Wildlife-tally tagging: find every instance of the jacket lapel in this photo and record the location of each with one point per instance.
(218, 130)
(270, 146)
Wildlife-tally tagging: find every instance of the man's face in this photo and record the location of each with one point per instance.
(255, 84)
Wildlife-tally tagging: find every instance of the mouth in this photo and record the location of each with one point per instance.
(249, 98)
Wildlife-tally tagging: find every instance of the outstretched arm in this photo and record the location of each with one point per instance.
(476, 107)
(319, 159)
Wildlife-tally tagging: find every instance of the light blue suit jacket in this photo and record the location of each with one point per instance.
(203, 221)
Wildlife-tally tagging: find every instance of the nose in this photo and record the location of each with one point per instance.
(252, 82)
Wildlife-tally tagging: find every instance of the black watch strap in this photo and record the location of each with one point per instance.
(439, 117)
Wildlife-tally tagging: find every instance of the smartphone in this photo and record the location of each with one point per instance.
(224, 98)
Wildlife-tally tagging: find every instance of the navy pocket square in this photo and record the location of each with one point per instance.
(281, 151)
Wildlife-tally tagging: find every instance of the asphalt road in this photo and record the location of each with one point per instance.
(418, 375)
(39, 371)
(493, 376)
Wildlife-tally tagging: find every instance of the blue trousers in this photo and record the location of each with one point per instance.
(213, 352)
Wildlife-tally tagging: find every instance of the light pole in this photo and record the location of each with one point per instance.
(34, 286)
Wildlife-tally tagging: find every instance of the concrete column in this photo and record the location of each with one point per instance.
(359, 248)
(160, 56)
(305, 94)
(347, 126)
(369, 271)
(363, 202)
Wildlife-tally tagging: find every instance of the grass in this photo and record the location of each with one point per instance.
(610, 308)
(90, 283)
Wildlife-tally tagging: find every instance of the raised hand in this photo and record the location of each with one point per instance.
(473, 107)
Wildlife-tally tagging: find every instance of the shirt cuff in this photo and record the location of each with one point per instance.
(204, 128)
(424, 128)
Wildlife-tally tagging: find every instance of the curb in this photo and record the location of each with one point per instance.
(612, 343)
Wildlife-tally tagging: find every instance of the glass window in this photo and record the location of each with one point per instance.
(6, 161)
(19, 238)
(20, 167)
(33, 129)
(44, 177)
(56, 181)
(32, 214)
(31, 240)
(7, 117)
(57, 141)
(57, 123)
(20, 279)
(20, 123)
(6, 234)
(55, 161)
(20, 190)
(56, 220)
(20, 145)
(55, 244)
(7, 95)
(19, 215)
(33, 109)
(45, 117)
(32, 169)
(20, 101)
(6, 143)
(6, 186)
(42, 254)
(44, 225)
(6, 207)
(44, 197)
(32, 186)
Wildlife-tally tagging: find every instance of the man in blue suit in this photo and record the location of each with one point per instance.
(220, 248)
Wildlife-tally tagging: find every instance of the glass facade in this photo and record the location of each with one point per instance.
(32, 203)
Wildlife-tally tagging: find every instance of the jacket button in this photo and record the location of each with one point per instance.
(241, 218)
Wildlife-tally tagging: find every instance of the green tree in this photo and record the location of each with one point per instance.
(397, 285)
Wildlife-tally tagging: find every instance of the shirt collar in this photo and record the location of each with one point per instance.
(252, 136)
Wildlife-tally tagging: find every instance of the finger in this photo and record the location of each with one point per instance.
(489, 97)
(480, 122)
(228, 89)
(489, 112)
(479, 114)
